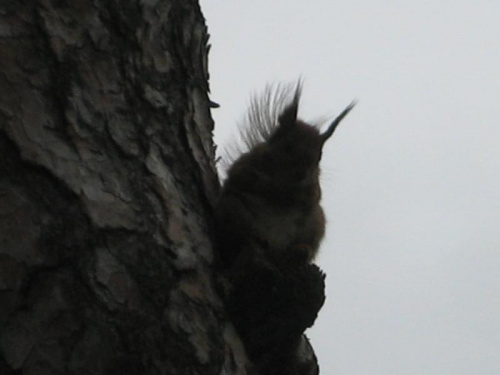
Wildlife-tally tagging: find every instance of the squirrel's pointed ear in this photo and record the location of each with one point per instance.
(328, 133)
(288, 117)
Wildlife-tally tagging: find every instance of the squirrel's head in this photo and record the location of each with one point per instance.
(294, 149)
(284, 151)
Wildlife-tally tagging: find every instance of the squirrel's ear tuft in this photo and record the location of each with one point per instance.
(328, 133)
(288, 117)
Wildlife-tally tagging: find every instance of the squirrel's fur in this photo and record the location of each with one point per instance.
(269, 224)
(271, 195)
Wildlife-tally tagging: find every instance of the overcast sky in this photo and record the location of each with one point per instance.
(411, 179)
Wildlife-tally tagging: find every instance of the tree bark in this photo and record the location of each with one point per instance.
(107, 186)
(107, 181)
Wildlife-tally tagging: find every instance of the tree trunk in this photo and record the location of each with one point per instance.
(107, 186)
(107, 181)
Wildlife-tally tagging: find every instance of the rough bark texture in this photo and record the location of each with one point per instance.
(107, 184)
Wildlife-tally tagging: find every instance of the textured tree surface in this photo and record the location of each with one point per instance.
(107, 178)
(107, 183)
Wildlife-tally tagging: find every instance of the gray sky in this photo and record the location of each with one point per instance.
(411, 179)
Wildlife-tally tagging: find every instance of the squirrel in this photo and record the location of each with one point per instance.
(269, 225)
(270, 200)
